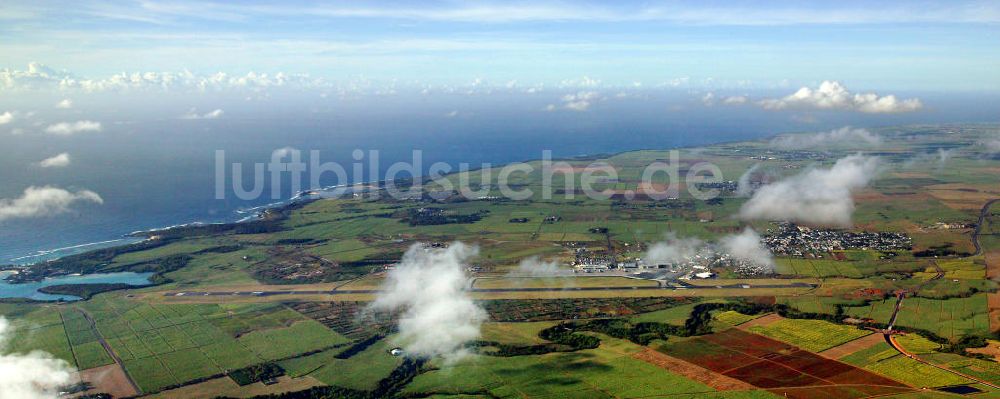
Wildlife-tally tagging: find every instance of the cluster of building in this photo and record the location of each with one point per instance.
(696, 266)
(592, 262)
(793, 240)
(730, 186)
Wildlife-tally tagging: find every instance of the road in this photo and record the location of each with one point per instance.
(890, 338)
(114, 356)
(979, 225)
(488, 290)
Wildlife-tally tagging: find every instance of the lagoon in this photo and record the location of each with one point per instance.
(30, 290)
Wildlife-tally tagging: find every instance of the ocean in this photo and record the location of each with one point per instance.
(154, 170)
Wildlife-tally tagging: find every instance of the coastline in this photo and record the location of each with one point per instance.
(257, 213)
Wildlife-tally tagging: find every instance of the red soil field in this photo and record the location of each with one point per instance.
(770, 364)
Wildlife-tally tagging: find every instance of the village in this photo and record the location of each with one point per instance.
(789, 239)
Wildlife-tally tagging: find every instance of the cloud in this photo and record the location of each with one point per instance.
(744, 247)
(38, 76)
(6, 117)
(709, 99)
(536, 267)
(711, 14)
(69, 128)
(282, 153)
(735, 100)
(815, 196)
(44, 201)
(429, 287)
(58, 161)
(672, 250)
(579, 101)
(747, 247)
(833, 95)
(744, 186)
(939, 158)
(451, 114)
(992, 145)
(193, 114)
(34, 375)
(843, 136)
(65, 104)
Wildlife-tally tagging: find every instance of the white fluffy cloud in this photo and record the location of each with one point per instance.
(816, 196)
(745, 246)
(35, 375)
(748, 247)
(65, 104)
(69, 128)
(744, 186)
(672, 250)
(735, 100)
(843, 136)
(44, 201)
(6, 117)
(193, 114)
(429, 287)
(710, 98)
(833, 95)
(580, 101)
(38, 76)
(58, 161)
(536, 267)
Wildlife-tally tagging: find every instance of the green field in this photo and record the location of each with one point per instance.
(165, 345)
(361, 371)
(950, 318)
(168, 340)
(733, 318)
(811, 335)
(884, 360)
(605, 372)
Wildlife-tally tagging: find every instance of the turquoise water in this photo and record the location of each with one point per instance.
(30, 290)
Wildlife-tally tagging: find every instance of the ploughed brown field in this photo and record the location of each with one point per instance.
(776, 366)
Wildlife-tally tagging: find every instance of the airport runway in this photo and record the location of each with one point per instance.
(490, 290)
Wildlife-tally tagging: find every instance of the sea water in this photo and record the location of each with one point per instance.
(30, 290)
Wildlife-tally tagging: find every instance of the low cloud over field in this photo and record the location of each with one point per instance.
(816, 196)
(845, 136)
(429, 288)
(747, 246)
(744, 188)
(744, 246)
(992, 145)
(35, 375)
(833, 95)
(536, 267)
(44, 201)
(673, 249)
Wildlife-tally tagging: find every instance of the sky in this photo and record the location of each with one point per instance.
(886, 45)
